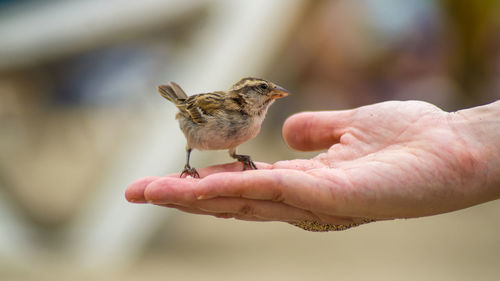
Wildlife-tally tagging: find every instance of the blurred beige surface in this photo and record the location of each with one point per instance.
(459, 246)
(462, 245)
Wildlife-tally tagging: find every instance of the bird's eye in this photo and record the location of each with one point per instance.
(263, 86)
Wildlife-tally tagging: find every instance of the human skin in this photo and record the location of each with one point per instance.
(383, 161)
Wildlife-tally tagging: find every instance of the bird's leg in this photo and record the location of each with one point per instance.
(245, 159)
(188, 171)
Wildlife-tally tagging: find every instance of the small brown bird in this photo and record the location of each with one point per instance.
(224, 119)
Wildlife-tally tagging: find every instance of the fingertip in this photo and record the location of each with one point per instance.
(135, 191)
(309, 131)
(293, 129)
(169, 190)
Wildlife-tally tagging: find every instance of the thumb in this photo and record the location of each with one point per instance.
(308, 131)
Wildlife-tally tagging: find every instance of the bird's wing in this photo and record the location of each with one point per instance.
(204, 105)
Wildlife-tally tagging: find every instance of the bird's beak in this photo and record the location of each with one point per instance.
(279, 92)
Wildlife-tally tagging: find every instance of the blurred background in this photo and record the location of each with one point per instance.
(80, 119)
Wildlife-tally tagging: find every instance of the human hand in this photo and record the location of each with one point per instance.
(384, 161)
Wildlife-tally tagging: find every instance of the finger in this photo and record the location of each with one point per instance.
(229, 167)
(195, 211)
(265, 210)
(185, 209)
(170, 190)
(318, 189)
(253, 210)
(182, 192)
(248, 208)
(308, 131)
(257, 184)
(221, 215)
(135, 191)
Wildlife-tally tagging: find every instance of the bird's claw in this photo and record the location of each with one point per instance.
(250, 165)
(188, 171)
(247, 162)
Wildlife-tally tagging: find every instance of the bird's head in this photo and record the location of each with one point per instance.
(257, 94)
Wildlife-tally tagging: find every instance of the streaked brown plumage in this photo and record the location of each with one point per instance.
(223, 119)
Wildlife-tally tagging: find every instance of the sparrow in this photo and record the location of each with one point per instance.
(223, 119)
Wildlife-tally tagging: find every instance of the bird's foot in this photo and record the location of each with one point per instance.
(247, 162)
(188, 171)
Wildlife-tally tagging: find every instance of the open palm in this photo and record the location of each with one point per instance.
(384, 161)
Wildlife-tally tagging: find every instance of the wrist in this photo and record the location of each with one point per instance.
(479, 128)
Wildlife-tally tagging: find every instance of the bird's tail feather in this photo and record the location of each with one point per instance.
(172, 92)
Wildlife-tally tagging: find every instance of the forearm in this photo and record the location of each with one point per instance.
(479, 127)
